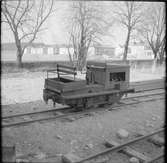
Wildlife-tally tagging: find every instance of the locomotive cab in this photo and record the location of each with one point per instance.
(111, 76)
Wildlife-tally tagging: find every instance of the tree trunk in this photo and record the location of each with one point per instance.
(156, 56)
(19, 51)
(162, 54)
(161, 58)
(70, 57)
(154, 65)
(19, 57)
(83, 58)
(80, 58)
(126, 45)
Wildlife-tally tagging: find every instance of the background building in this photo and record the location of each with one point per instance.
(59, 52)
(135, 51)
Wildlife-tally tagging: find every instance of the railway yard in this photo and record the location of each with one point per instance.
(129, 131)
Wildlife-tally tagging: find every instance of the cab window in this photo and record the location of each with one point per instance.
(117, 76)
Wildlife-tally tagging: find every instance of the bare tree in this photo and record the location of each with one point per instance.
(128, 14)
(153, 29)
(162, 51)
(25, 19)
(87, 26)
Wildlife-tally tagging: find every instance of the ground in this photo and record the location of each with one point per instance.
(47, 141)
(83, 136)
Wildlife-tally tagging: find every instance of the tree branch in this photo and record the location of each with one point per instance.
(17, 8)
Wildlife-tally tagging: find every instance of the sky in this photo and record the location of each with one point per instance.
(56, 32)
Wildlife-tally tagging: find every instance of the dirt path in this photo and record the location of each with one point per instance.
(47, 141)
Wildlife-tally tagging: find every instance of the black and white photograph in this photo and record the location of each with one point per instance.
(83, 81)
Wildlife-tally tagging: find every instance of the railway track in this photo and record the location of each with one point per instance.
(127, 148)
(58, 113)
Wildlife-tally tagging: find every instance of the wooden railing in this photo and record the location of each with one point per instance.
(63, 70)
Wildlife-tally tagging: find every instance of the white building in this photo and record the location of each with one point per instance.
(136, 51)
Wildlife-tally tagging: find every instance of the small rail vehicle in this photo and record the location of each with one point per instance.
(104, 83)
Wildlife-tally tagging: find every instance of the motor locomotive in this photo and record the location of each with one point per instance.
(105, 83)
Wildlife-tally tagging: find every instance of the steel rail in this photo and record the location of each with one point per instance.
(118, 148)
(37, 120)
(38, 112)
(64, 115)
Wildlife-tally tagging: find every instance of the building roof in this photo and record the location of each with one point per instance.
(8, 46)
(12, 46)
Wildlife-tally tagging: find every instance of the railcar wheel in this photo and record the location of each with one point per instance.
(102, 105)
(118, 97)
(54, 102)
(76, 107)
(85, 103)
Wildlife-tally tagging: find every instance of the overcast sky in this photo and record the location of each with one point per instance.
(57, 28)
